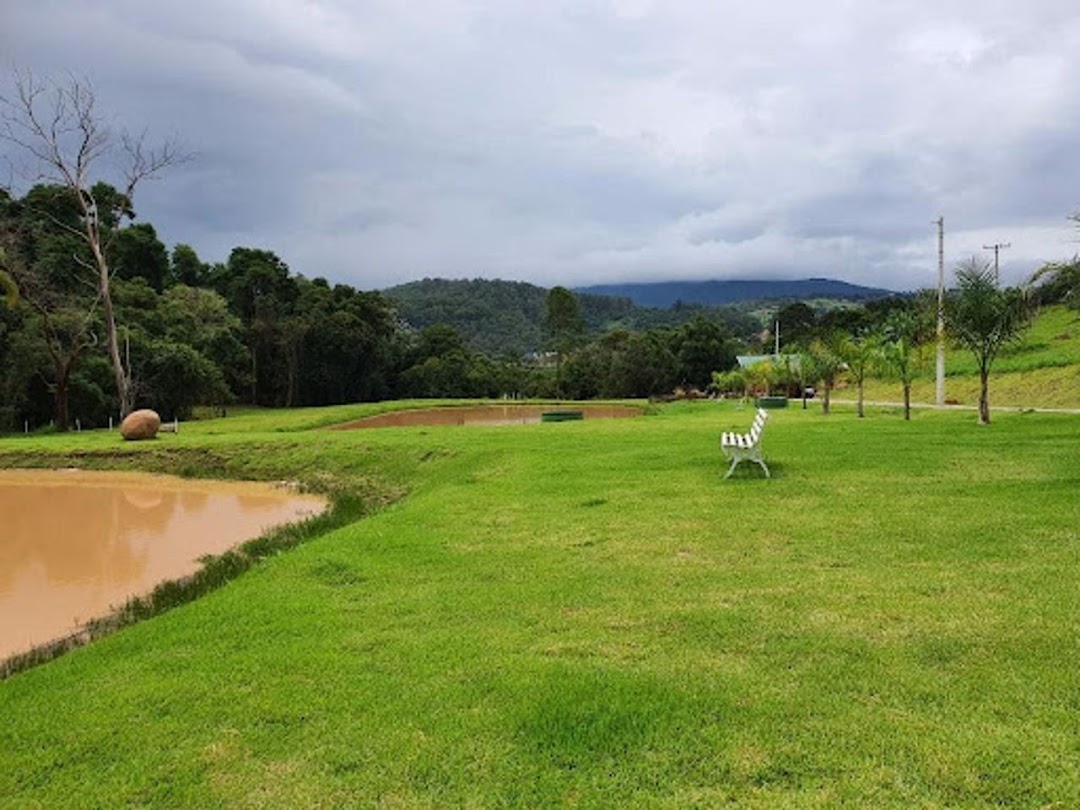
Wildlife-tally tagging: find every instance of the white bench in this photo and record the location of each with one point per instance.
(745, 446)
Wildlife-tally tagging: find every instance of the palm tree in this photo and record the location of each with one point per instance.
(898, 350)
(984, 318)
(860, 353)
(823, 364)
(1059, 281)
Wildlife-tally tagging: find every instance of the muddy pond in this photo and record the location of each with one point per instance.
(74, 544)
(485, 415)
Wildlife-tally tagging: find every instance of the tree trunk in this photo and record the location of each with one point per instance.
(292, 373)
(859, 404)
(63, 365)
(60, 402)
(907, 402)
(254, 373)
(825, 401)
(120, 374)
(123, 387)
(984, 398)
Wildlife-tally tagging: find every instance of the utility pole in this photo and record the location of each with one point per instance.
(939, 398)
(776, 350)
(997, 248)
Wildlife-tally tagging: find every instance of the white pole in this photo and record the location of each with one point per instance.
(940, 388)
(777, 350)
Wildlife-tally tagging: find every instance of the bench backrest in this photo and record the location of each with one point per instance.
(759, 425)
(749, 439)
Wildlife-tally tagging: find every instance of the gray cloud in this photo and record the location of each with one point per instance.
(578, 142)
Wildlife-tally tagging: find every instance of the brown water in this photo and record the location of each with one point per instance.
(74, 544)
(484, 415)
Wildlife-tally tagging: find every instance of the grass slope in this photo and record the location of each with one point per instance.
(1042, 370)
(584, 614)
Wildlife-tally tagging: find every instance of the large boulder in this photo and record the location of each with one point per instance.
(139, 425)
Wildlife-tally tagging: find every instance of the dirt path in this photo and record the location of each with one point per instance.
(924, 405)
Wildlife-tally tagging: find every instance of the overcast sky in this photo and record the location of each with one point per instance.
(588, 141)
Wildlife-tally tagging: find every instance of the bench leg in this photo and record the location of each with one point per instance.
(736, 457)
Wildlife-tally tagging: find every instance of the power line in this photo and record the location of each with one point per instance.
(997, 247)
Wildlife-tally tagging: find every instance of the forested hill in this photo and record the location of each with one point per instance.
(718, 293)
(507, 317)
(498, 317)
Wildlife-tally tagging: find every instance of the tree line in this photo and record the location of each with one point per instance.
(97, 316)
(249, 330)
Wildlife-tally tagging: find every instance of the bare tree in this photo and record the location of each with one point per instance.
(61, 138)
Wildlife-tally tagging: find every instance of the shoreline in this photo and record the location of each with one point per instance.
(213, 571)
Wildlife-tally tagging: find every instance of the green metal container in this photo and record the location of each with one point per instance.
(561, 416)
(771, 402)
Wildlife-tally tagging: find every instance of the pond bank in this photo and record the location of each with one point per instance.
(347, 497)
(79, 543)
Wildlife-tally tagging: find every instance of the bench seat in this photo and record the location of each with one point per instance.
(746, 446)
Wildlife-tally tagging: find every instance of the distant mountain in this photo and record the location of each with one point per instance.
(663, 294)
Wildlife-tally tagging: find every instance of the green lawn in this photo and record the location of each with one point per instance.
(583, 614)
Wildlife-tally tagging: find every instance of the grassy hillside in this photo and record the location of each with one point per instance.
(583, 614)
(1041, 370)
(1052, 341)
